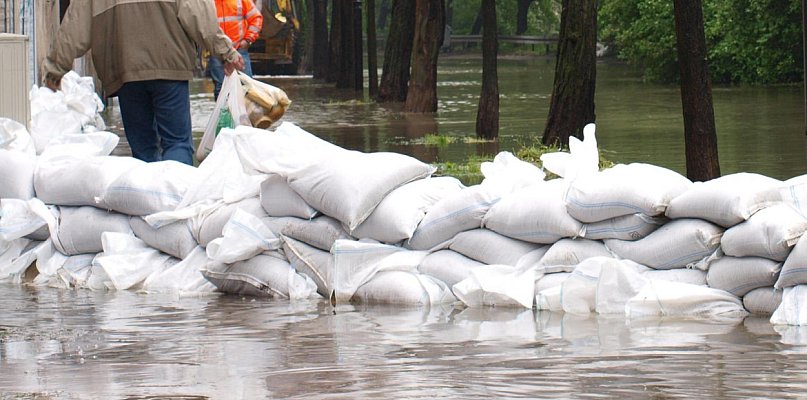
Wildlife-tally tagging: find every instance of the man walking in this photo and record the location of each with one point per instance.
(241, 21)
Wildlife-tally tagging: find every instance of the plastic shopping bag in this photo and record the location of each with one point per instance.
(230, 103)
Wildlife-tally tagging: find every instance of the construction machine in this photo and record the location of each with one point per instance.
(275, 50)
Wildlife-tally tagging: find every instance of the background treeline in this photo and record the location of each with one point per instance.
(748, 41)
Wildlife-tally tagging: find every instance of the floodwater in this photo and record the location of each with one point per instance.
(65, 344)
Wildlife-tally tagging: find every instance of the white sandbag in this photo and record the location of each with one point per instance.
(793, 309)
(18, 218)
(740, 275)
(582, 159)
(618, 282)
(243, 237)
(15, 137)
(398, 215)
(128, 261)
(266, 275)
(507, 173)
(310, 261)
(403, 288)
(17, 177)
(280, 200)
(80, 229)
(209, 224)
(535, 214)
(448, 266)
(453, 214)
(16, 256)
(794, 192)
(727, 200)
(183, 277)
(565, 254)
(763, 301)
(75, 270)
(81, 145)
(624, 189)
(794, 270)
(548, 291)
(769, 233)
(320, 232)
(673, 299)
(70, 181)
(532, 259)
(626, 227)
(150, 188)
(497, 285)
(551, 280)
(678, 244)
(490, 248)
(346, 185)
(680, 275)
(356, 262)
(173, 239)
(97, 279)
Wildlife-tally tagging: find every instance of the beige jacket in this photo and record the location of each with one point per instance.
(136, 40)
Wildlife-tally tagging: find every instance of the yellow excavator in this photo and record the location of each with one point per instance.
(274, 51)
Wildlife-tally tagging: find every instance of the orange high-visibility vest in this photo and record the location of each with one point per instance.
(239, 19)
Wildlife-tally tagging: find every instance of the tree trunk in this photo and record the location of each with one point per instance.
(357, 76)
(321, 43)
(696, 92)
(430, 21)
(487, 116)
(306, 58)
(477, 26)
(345, 78)
(383, 13)
(521, 19)
(372, 50)
(398, 52)
(572, 104)
(335, 64)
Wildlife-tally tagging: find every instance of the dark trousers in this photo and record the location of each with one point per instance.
(157, 119)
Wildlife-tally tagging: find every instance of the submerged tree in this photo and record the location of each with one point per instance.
(321, 43)
(372, 52)
(398, 52)
(696, 92)
(487, 116)
(430, 21)
(521, 18)
(572, 104)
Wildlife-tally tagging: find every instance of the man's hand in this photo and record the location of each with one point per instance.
(54, 83)
(236, 64)
(243, 45)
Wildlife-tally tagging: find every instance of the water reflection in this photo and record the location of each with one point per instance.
(100, 345)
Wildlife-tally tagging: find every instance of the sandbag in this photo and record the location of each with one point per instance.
(507, 173)
(793, 309)
(243, 237)
(70, 181)
(261, 276)
(794, 270)
(15, 137)
(727, 200)
(740, 275)
(80, 229)
(183, 277)
(173, 239)
(128, 261)
(21, 218)
(548, 291)
(535, 214)
(320, 232)
(17, 178)
(489, 247)
(150, 188)
(453, 214)
(403, 288)
(624, 189)
(497, 285)
(680, 275)
(398, 215)
(16, 256)
(762, 301)
(675, 245)
(280, 200)
(448, 266)
(769, 233)
(312, 262)
(209, 225)
(74, 271)
(570, 252)
(346, 185)
(625, 227)
(673, 299)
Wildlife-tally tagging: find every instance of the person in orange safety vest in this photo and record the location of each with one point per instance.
(241, 21)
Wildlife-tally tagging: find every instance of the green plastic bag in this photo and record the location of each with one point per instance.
(225, 120)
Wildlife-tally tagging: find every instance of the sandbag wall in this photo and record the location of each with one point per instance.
(285, 214)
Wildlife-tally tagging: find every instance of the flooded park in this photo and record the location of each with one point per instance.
(79, 344)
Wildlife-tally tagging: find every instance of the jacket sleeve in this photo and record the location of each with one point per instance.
(198, 19)
(73, 40)
(254, 21)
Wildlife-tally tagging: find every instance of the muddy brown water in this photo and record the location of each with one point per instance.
(64, 344)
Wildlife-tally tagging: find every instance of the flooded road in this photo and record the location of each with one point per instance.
(66, 344)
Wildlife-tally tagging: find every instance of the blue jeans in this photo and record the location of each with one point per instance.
(156, 116)
(216, 68)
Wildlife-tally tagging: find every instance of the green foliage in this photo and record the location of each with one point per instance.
(749, 41)
(543, 17)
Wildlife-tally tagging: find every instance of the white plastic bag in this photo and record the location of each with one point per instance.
(232, 97)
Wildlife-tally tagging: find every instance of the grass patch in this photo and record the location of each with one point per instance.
(468, 172)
